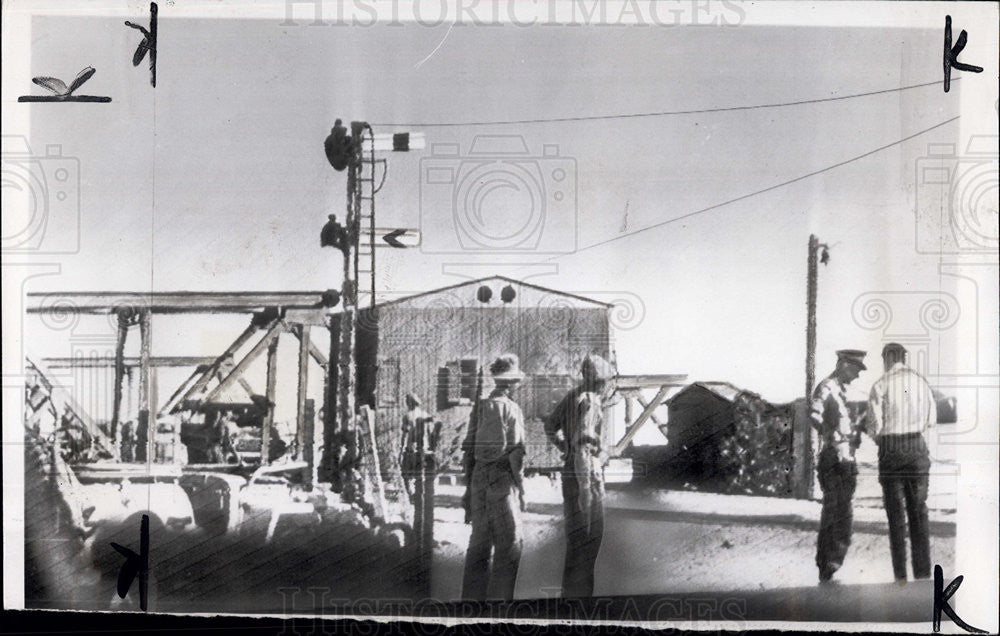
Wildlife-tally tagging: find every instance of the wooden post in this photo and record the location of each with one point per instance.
(154, 400)
(332, 452)
(309, 440)
(300, 409)
(349, 290)
(129, 391)
(418, 503)
(119, 372)
(272, 378)
(145, 388)
(811, 276)
(425, 490)
(803, 476)
(374, 476)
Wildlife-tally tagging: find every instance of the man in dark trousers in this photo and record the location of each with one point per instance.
(836, 469)
(901, 408)
(410, 459)
(575, 428)
(495, 445)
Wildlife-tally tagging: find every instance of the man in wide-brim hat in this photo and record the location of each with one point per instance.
(836, 469)
(575, 427)
(495, 443)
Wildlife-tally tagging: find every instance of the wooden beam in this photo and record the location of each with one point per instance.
(314, 351)
(116, 407)
(366, 418)
(241, 366)
(213, 368)
(127, 361)
(652, 416)
(272, 378)
(172, 302)
(146, 411)
(227, 366)
(646, 414)
(182, 388)
(300, 410)
(632, 382)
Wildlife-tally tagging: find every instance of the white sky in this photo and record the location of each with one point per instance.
(216, 179)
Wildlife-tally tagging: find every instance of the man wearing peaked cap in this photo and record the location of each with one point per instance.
(495, 447)
(854, 356)
(836, 468)
(575, 428)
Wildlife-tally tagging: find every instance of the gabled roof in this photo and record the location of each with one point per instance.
(496, 301)
(723, 390)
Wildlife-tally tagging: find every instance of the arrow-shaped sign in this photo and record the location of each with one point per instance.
(399, 238)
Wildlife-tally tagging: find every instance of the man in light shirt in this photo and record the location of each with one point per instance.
(836, 468)
(495, 446)
(900, 408)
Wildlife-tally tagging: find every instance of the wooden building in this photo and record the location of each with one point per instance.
(433, 344)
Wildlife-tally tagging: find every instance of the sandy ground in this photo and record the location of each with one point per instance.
(657, 551)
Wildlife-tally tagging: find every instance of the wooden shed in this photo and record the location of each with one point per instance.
(434, 343)
(721, 438)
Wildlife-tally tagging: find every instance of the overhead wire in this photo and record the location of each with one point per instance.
(752, 194)
(723, 109)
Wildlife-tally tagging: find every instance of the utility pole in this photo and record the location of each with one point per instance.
(811, 316)
(818, 253)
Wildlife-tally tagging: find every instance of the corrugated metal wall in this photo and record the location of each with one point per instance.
(419, 348)
(413, 345)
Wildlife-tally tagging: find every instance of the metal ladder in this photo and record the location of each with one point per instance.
(364, 263)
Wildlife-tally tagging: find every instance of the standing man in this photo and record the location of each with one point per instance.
(410, 458)
(495, 445)
(836, 469)
(575, 428)
(900, 408)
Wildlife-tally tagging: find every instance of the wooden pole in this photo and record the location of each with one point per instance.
(367, 434)
(427, 478)
(119, 372)
(272, 378)
(301, 440)
(811, 315)
(145, 387)
(418, 501)
(349, 297)
(309, 440)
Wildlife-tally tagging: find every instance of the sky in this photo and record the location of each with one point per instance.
(216, 179)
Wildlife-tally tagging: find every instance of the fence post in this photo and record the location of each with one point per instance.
(802, 452)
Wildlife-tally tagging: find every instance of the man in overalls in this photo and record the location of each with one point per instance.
(575, 428)
(495, 443)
